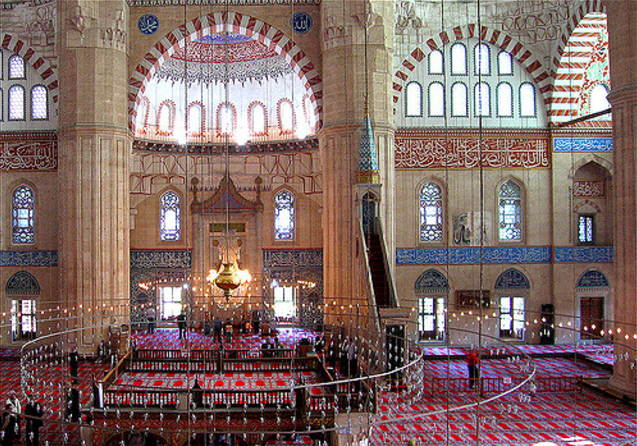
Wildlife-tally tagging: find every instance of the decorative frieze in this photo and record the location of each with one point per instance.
(583, 144)
(464, 256)
(293, 259)
(28, 155)
(220, 2)
(584, 254)
(457, 152)
(28, 258)
(588, 189)
(161, 259)
(593, 279)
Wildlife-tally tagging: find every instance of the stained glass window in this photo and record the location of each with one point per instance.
(459, 99)
(505, 100)
(194, 118)
(413, 96)
(16, 103)
(586, 229)
(482, 59)
(458, 59)
(435, 62)
(164, 119)
(436, 99)
(170, 217)
(482, 98)
(284, 216)
(510, 218)
(430, 213)
(23, 205)
(39, 102)
(16, 67)
(527, 100)
(505, 63)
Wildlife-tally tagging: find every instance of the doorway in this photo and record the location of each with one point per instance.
(285, 303)
(592, 317)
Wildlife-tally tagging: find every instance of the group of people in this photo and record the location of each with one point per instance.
(272, 349)
(12, 421)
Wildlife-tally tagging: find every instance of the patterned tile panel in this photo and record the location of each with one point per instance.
(583, 145)
(460, 256)
(584, 254)
(28, 258)
(293, 259)
(161, 259)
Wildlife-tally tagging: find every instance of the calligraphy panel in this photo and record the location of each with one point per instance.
(588, 189)
(28, 155)
(453, 152)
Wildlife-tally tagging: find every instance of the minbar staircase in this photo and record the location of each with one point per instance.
(377, 269)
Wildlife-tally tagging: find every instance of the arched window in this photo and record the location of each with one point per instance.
(39, 103)
(482, 99)
(23, 290)
(430, 204)
(286, 116)
(505, 99)
(226, 117)
(141, 120)
(170, 217)
(512, 287)
(165, 117)
(257, 119)
(599, 98)
(195, 119)
(527, 100)
(458, 59)
(431, 290)
(413, 96)
(23, 215)
(284, 208)
(436, 99)
(459, 100)
(482, 59)
(16, 103)
(436, 65)
(505, 64)
(16, 67)
(510, 211)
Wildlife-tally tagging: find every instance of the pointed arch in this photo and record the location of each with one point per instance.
(593, 279)
(500, 39)
(218, 22)
(23, 283)
(512, 279)
(431, 280)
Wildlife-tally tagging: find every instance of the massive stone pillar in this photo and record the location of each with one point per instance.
(344, 90)
(94, 165)
(622, 31)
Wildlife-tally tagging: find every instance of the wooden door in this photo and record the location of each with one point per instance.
(592, 312)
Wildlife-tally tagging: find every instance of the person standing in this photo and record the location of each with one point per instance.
(17, 409)
(181, 323)
(33, 412)
(74, 363)
(9, 425)
(473, 365)
(150, 318)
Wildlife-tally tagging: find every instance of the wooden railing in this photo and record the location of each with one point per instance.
(141, 398)
(440, 386)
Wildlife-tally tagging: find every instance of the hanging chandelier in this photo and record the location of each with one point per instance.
(228, 278)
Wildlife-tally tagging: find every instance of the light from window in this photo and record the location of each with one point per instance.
(435, 62)
(512, 317)
(194, 118)
(165, 117)
(436, 99)
(586, 229)
(226, 123)
(458, 59)
(23, 321)
(23, 204)
(142, 112)
(284, 216)
(505, 100)
(510, 211)
(431, 318)
(505, 63)
(599, 98)
(170, 302)
(284, 302)
(459, 99)
(482, 99)
(1, 104)
(16, 103)
(430, 213)
(527, 100)
(39, 102)
(413, 94)
(258, 119)
(16, 67)
(482, 58)
(287, 117)
(170, 217)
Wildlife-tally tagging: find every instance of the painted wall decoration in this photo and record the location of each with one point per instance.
(440, 152)
(293, 259)
(470, 227)
(301, 22)
(161, 259)
(593, 279)
(588, 189)
(22, 282)
(583, 144)
(28, 155)
(431, 280)
(463, 256)
(512, 279)
(28, 258)
(584, 254)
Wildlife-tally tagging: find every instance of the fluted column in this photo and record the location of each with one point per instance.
(622, 24)
(95, 152)
(344, 93)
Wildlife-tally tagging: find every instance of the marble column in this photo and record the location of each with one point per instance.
(94, 166)
(622, 31)
(344, 90)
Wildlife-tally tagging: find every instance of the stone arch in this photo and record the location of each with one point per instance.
(36, 60)
(512, 279)
(217, 22)
(591, 158)
(493, 36)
